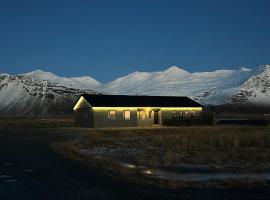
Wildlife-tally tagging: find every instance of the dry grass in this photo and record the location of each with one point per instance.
(195, 145)
(230, 149)
(7, 123)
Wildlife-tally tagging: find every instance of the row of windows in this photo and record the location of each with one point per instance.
(141, 114)
(112, 114)
(176, 113)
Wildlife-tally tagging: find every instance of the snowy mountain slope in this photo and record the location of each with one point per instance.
(256, 89)
(85, 82)
(24, 95)
(41, 93)
(215, 87)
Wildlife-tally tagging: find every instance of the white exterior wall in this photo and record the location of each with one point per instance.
(101, 119)
(98, 117)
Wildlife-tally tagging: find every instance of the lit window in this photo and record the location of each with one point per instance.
(180, 113)
(186, 113)
(111, 114)
(140, 114)
(126, 114)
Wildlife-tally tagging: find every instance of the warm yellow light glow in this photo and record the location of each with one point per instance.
(148, 171)
(111, 114)
(148, 108)
(141, 114)
(114, 108)
(80, 103)
(129, 165)
(126, 114)
(183, 108)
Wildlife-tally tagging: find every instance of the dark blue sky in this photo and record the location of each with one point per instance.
(107, 39)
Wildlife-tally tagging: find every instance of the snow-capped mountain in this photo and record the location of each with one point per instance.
(84, 82)
(37, 93)
(40, 92)
(217, 87)
(256, 89)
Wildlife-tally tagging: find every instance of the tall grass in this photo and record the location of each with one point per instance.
(211, 145)
(228, 149)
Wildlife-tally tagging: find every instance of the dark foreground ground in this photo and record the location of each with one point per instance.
(31, 169)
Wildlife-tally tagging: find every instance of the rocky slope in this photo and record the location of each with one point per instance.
(42, 93)
(256, 90)
(217, 87)
(26, 95)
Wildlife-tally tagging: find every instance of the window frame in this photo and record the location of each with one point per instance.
(186, 113)
(150, 114)
(139, 114)
(124, 114)
(110, 115)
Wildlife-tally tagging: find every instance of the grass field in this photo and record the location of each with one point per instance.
(33, 123)
(52, 159)
(169, 157)
(160, 155)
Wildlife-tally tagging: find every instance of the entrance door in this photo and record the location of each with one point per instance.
(156, 114)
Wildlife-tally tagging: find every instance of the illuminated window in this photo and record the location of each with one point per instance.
(140, 114)
(174, 113)
(111, 114)
(126, 114)
(186, 113)
(180, 113)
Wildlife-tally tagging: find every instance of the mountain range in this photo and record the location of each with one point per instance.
(44, 93)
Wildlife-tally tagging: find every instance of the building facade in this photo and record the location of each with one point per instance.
(97, 111)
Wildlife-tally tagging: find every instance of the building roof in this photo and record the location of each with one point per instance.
(139, 101)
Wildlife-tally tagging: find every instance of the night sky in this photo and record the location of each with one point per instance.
(107, 39)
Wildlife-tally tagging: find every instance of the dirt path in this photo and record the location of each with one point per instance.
(30, 169)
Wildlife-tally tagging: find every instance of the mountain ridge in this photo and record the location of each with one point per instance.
(40, 92)
(216, 87)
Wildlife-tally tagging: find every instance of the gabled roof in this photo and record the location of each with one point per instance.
(138, 101)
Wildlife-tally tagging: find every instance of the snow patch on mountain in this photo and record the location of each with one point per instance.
(39, 92)
(85, 82)
(216, 87)
(25, 95)
(256, 89)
